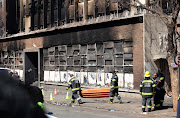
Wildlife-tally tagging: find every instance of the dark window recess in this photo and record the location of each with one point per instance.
(83, 49)
(100, 60)
(109, 50)
(69, 51)
(70, 68)
(128, 69)
(62, 68)
(62, 50)
(119, 69)
(76, 52)
(108, 62)
(128, 62)
(91, 51)
(92, 68)
(108, 69)
(77, 68)
(51, 51)
(63, 62)
(77, 62)
(56, 60)
(128, 56)
(99, 48)
(118, 47)
(92, 62)
(118, 59)
(70, 61)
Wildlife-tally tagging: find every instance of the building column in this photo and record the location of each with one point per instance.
(133, 9)
(75, 10)
(21, 15)
(66, 11)
(85, 10)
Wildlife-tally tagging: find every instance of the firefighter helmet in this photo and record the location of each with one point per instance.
(147, 74)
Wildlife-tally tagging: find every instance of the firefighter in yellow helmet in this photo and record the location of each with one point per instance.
(147, 89)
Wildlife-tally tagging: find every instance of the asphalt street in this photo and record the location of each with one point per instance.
(99, 107)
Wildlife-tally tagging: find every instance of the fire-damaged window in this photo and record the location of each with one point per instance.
(108, 56)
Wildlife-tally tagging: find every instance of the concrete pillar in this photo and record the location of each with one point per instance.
(21, 15)
(75, 10)
(85, 10)
(133, 9)
(66, 11)
(28, 18)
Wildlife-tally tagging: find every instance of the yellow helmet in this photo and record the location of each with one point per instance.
(147, 74)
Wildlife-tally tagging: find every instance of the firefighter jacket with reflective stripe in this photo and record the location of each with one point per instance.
(74, 84)
(161, 84)
(114, 81)
(147, 87)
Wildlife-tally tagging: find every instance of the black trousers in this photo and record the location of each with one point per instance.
(148, 101)
(114, 92)
(161, 97)
(157, 98)
(75, 95)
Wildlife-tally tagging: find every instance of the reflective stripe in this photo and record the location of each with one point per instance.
(70, 83)
(114, 87)
(78, 98)
(76, 89)
(147, 81)
(158, 105)
(154, 85)
(163, 87)
(161, 100)
(113, 79)
(72, 99)
(116, 76)
(74, 79)
(148, 106)
(147, 93)
(143, 106)
(141, 85)
(41, 105)
(161, 78)
(111, 97)
(140, 92)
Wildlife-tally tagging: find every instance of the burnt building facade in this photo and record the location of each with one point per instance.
(46, 40)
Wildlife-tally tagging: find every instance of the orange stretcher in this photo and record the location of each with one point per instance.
(95, 93)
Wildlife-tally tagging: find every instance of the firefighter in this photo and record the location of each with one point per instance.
(114, 88)
(147, 90)
(75, 86)
(160, 91)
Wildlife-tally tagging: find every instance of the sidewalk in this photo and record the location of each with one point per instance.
(131, 105)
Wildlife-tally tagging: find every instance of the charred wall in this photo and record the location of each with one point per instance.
(103, 40)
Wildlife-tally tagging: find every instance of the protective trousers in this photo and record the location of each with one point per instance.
(149, 104)
(75, 96)
(114, 92)
(157, 98)
(161, 96)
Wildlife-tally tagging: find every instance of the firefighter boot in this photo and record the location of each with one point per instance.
(79, 101)
(73, 100)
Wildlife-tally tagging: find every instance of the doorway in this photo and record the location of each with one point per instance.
(32, 67)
